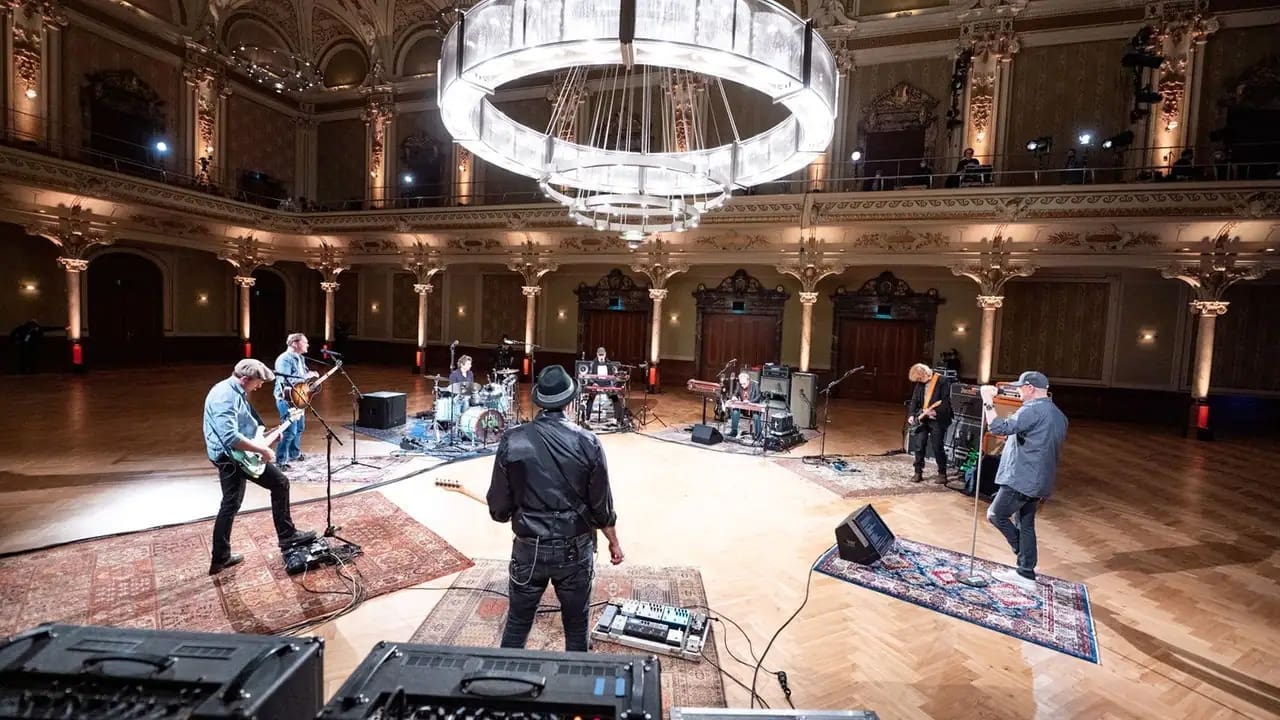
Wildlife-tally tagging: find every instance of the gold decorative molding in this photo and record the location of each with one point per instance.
(72, 230)
(902, 240)
(659, 267)
(26, 59)
(246, 254)
(810, 266)
(329, 263)
(1215, 271)
(992, 270)
(531, 265)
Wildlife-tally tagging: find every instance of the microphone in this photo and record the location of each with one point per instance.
(453, 344)
(315, 360)
(329, 353)
(505, 341)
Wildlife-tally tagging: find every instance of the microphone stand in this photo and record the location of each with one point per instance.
(973, 579)
(533, 373)
(821, 457)
(331, 530)
(356, 395)
(647, 415)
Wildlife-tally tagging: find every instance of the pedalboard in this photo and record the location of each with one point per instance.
(654, 627)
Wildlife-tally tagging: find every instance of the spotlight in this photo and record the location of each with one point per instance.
(856, 155)
(1085, 138)
(1032, 145)
(1040, 145)
(1117, 142)
(162, 146)
(1137, 59)
(408, 178)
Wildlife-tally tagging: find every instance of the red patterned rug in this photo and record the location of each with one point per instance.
(1054, 615)
(159, 579)
(866, 476)
(468, 617)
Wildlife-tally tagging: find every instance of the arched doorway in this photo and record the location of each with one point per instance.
(126, 311)
(886, 327)
(268, 323)
(614, 314)
(739, 322)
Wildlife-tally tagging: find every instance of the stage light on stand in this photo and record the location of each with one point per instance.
(855, 156)
(1085, 138)
(1041, 145)
(162, 146)
(407, 178)
(1119, 141)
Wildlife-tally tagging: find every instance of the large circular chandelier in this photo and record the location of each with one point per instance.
(277, 69)
(658, 152)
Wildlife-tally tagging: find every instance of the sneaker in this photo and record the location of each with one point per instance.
(299, 537)
(1015, 577)
(218, 566)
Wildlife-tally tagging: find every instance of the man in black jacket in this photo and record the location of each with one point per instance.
(929, 414)
(551, 482)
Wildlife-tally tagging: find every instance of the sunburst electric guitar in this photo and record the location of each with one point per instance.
(456, 486)
(252, 462)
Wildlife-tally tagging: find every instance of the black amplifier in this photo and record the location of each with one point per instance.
(434, 681)
(82, 672)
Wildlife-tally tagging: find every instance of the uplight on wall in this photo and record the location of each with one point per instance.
(31, 93)
(961, 328)
(561, 314)
(462, 311)
(374, 307)
(29, 288)
(202, 299)
(675, 318)
(1147, 337)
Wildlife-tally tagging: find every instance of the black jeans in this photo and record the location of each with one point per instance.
(928, 439)
(1022, 536)
(569, 565)
(233, 479)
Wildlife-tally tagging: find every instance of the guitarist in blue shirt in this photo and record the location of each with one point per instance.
(231, 430)
(290, 366)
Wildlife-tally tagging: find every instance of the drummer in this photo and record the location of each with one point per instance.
(462, 373)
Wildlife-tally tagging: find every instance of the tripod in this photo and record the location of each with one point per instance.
(355, 403)
(647, 415)
(822, 458)
(331, 530)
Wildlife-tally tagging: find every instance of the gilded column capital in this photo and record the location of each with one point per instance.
(658, 293)
(1215, 271)
(245, 254)
(424, 263)
(330, 265)
(993, 269)
(423, 288)
(72, 230)
(990, 302)
(245, 281)
(808, 298)
(531, 290)
(658, 266)
(1212, 308)
(73, 265)
(532, 266)
(329, 287)
(810, 266)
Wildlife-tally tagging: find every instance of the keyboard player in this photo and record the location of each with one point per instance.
(746, 391)
(601, 378)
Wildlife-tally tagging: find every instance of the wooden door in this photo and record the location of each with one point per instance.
(126, 311)
(625, 335)
(267, 322)
(888, 349)
(751, 339)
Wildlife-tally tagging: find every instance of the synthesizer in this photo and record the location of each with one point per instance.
(654, 627)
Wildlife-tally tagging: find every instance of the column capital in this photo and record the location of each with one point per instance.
(1211, 308)
(990, 302)
(530, 290)
(658, 266)
(423, 288)
(993, 269)
(658, 294)
(245, 281)
(73, 265)
(532, 266)
(72, 230)
(329, 287)
(329, 263)
(810, 266)
(245, 254)
(424, 263)
(808, 298)
(1216, 269)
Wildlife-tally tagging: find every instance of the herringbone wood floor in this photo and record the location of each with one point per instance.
(1175, 539)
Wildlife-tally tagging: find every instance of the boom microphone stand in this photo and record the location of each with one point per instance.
(355, 402)
(331, 530)
(821, 457)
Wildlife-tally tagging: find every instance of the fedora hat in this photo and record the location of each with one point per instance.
(554, 389)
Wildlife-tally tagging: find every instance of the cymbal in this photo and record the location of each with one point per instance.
(463, 388)
(505, 372)
(437, 378)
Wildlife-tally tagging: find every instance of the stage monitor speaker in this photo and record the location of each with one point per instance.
(804, 392)
(382, 410)
(863, 537)
(706, 435)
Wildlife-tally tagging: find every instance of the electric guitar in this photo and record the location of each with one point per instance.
(456, 486)
(918, 425)
(252, 462)
(300, 394)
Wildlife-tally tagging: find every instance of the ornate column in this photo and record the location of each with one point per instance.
(329, 265)
(305, 170)
(836, 28)
(74, 234)
(463, 169)
(379, 109)
(531, 267)
(1210, 277)
(206, 96)
(986, 33)
(1181, 29)
(659, 268)
(33, 72)
(809, 268)
(991, 272)
(245, 254)
(424, 264)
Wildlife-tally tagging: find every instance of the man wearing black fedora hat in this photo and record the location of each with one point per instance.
(551, 482)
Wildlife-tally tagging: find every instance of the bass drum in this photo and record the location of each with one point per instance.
(482, 424)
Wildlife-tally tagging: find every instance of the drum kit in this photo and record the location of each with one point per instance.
(472, 412)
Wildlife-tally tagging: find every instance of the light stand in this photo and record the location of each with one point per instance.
(331, 530)
(355, 402)
(973, 579)
(821, 457)
(647, 415)
(533, 372)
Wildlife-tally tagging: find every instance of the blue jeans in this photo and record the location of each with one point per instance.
(757, 422)
(290, 445)
(1022, 536)
(569, 565)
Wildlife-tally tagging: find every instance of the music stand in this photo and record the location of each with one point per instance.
(356, 395)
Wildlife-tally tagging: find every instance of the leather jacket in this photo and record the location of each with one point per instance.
(550, 480)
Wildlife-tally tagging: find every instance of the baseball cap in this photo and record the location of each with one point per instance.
(1033, 378)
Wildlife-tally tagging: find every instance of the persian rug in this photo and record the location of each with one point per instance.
(469, 617)
(313, 469)
(683, 434)
(865, 476)
(158, 579)
(1055, 615)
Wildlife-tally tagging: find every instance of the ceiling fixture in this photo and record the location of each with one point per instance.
(657, 146)
(279, 70)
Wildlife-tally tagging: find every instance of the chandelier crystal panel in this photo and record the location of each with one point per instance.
(659, 145)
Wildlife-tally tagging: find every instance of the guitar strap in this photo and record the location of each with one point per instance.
(928, 390)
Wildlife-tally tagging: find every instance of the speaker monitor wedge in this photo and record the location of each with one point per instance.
(706, 435)
(863, 537)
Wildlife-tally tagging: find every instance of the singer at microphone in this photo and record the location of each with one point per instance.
(291, 363)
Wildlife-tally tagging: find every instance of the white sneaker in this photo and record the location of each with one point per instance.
(1011, 577)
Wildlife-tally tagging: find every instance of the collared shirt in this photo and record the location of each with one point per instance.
(228, 417)
(457, 376)
(1029, 462)
(550, 480)
(289, 363)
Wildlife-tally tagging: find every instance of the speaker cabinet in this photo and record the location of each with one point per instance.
(804, 393)
(706, 435)
(382, 410)
(863, 537)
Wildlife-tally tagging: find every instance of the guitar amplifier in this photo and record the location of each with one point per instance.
(399, 680)
(75, 671)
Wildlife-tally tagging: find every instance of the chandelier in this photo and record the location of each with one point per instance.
(279, 70)
(660, 147)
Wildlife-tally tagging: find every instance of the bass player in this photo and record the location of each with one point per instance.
(231, 429)
(291, 369)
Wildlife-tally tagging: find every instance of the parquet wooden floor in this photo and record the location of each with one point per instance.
(1175, 539)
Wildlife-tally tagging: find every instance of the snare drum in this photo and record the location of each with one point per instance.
(482, 424)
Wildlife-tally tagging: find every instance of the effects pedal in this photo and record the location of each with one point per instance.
(654, 627)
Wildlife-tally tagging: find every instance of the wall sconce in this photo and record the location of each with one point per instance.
(675, 318)
(373, 307)
(462, 311)
(560, 314)
(208, 149)
(1147, 337)
(961, 328)
(202, 299)
(31, 93)
(29, 288)
(981, 136)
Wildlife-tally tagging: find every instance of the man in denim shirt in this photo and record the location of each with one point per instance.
(1027, 468)
(290, 368)
(550, 481)
(230, 423)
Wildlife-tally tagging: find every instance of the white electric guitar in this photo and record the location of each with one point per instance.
(252, 462)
